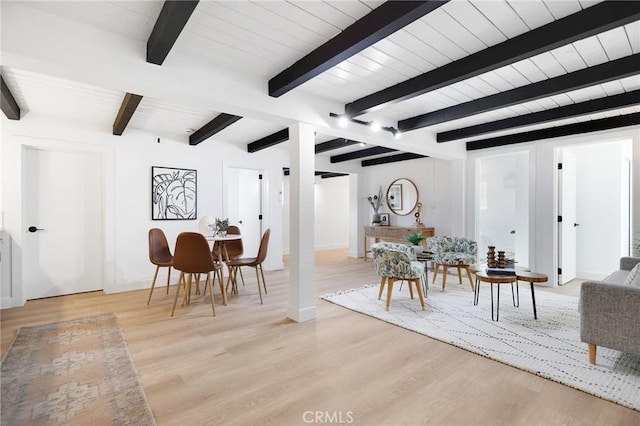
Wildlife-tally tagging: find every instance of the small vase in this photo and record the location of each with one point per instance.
(375, 220)
(418, 249)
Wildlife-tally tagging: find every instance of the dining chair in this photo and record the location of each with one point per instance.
(160, 255)
(254, 262)
(193, 256)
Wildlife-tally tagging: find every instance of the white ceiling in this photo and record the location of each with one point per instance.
(262, 38)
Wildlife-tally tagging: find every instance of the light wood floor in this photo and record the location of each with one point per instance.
(251, 365)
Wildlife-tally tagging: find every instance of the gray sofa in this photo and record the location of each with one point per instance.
(610, 311)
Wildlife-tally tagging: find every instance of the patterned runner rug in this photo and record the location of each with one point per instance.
(549, 347)
(76, 372)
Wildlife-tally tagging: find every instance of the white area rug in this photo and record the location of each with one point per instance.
(549, 347)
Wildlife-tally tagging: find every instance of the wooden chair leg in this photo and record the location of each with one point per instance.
(241, 276)
(459, 275)
(473, 287)
(435, 272)
(168, 279)
(410, 289)
(209, 280)
(382, 281)
(592, 353)
(186, 298)
(389, 291)
(418, 284)
(222, 289)
(445, 270)
(175, 300)
(153, 284)
(264, 283)
(259, 288)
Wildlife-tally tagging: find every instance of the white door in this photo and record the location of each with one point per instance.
(244, 191)
(63, 223)
(568, 225)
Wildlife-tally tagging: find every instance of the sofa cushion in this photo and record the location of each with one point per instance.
(633, 279)
(616, 277)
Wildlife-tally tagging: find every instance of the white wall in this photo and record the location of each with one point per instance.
(127, 196)
(438, 183)
(332, 214)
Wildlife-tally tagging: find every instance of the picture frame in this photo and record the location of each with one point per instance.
(394, 196)
(174, 193)
(385, 219)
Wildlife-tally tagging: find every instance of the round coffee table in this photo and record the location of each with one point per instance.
(482, 276)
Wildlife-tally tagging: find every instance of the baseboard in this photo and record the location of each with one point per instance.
(590, 275)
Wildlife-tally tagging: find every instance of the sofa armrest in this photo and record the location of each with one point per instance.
(609, 316)
(627, 263)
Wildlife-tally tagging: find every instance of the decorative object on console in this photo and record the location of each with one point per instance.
(418, 223)
(384, 219)
(173, 193)
(376, 202)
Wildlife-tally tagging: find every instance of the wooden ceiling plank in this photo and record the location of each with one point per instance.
(572, 110)
(591, 21)
(127, 108)
(8, 103)
(170, 23)
(334, 144)
(391, 159)
(216, 125)
(376, 25)
(367, 152)
(613, 70)
(559, 131)
(268, 141)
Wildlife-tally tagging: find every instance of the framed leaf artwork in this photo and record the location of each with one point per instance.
(173, 193)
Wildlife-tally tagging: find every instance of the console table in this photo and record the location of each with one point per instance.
(392, 233)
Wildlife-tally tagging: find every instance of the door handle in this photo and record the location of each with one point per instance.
(34, 229)
(240, 221)
(576, 225)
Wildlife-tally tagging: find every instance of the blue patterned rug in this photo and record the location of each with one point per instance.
(549, 347)
(76, 372)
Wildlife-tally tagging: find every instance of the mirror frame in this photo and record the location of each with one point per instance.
(395, 210)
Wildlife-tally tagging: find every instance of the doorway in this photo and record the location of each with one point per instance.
(63, 222)
(594, 209)
(245, 191)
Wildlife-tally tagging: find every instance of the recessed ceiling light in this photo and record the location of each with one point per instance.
(343, 121)
(189, 131)
(375, 126)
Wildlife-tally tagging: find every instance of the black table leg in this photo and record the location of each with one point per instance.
(533, 298)
(497, 316)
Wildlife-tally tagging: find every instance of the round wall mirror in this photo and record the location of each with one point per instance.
(402, 196)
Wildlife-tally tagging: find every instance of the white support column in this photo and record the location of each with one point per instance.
(301, 223)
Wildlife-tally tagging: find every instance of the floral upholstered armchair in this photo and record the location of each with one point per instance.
(395, 262)
(455, 252)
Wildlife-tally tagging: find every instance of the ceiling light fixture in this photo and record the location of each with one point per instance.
(344, 119)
